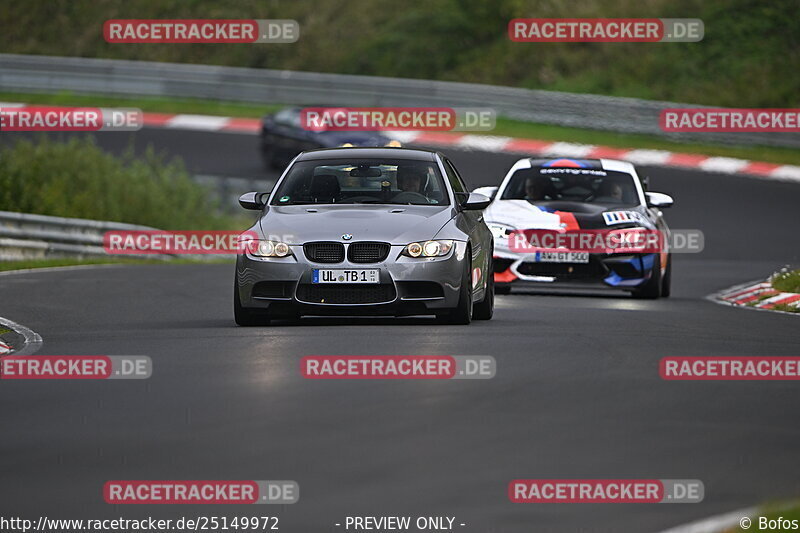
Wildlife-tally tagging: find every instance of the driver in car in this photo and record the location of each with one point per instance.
(535, 189)
(411, 179)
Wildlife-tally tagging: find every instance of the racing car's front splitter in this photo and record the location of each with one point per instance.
(604, 271)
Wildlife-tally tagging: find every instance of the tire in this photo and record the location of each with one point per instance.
(242, 315)
(651, 290)
(484, 310)
(462, 314)
(666, 283)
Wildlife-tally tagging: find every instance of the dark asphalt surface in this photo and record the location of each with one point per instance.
(577, 392)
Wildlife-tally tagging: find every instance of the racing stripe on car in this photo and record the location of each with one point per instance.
(568, 220)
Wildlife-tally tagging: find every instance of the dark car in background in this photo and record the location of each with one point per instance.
(283, 137)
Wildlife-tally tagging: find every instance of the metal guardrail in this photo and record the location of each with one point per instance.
(26, 236)
(263, 86)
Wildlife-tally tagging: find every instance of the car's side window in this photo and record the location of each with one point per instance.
(288, 117)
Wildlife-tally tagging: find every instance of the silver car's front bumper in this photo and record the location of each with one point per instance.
(407, 285)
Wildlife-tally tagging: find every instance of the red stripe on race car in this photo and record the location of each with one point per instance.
(504, 277)
(568, 219)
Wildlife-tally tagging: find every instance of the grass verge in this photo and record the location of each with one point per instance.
(77, 179)
(786, 281)
(505, 126)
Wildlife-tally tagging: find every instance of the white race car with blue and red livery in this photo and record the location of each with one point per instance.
(562, 195)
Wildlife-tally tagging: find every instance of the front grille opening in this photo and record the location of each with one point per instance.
(273, 289)
(346, 293)
(626, 270)
(368, 252)
(420, 289)
(324, 252)
(592, 269)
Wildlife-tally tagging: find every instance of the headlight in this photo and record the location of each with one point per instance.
(500, 231)
(428, 249)
(268, 249)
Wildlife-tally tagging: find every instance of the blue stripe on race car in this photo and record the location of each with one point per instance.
(644, 264)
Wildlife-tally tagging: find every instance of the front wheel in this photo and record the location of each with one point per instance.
(666, 283)
(462, 314)
(242, 315)
(484, 310)
(651, 290)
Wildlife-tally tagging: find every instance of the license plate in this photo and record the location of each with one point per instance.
(369, 275)
(562, 257)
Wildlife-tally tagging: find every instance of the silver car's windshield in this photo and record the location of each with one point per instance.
(362, 181)
(540, 184)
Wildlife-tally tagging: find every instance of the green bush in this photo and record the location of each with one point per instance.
(77, 179)
(786, 280)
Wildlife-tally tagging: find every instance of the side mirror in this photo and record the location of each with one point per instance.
(658, 199)
(252, 200)
(475, 202)
(489, 192)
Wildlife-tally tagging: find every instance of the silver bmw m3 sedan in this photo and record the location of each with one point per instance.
(366, 231)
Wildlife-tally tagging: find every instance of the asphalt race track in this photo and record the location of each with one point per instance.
(577, 392)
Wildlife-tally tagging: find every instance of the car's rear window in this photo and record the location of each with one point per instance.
(362, 181)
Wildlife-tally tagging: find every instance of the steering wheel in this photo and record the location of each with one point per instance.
(410, 197)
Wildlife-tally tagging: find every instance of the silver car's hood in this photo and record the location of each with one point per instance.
(395, 224)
